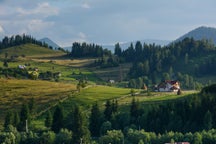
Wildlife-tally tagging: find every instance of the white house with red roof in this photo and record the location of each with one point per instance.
(168, 86)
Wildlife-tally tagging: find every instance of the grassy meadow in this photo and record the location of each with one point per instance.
(16, 92)
(30, 50)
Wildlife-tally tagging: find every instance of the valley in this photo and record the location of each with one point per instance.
(120, 85)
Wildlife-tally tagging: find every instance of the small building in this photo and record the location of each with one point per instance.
(111, 81)
(21, 66)
(168, 86)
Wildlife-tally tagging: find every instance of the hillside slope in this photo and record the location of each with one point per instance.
(13, 93)
(201, 33)
(50, 43)
(29, 50)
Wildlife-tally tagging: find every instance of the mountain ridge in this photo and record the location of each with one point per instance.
(202, 32)
(49, 42)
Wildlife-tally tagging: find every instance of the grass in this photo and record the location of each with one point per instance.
(156, 97)
(29, 50)
(96, 93)
(115, 73)
(13, 93)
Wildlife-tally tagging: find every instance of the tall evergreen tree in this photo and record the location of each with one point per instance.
(80, 129)
(95, 121)
(207, 122)
(114, 106)
(118, 50)
(135, 111)
(24, 118)
(108, 110)
(48, 120)
(31, 106)
(8, 119)
(58, 117)
(16, 119)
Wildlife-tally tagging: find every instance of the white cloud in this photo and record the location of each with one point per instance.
(36, 25)
(86, 5)
(82, 35)
(1, 29)
(43, 9)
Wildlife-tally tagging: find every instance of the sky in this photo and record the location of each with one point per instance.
(104, 21)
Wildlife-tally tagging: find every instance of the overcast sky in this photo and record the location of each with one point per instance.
(104, 21)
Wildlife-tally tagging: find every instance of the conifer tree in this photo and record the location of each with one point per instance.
(58, 117)
(31, 106)
(79, 128)
(108, 110)
(16, 119)
(134, 111)
(95, 121)
(207, 121)
(114, 106)
(24, 117)
(8, 119)
(48, 120)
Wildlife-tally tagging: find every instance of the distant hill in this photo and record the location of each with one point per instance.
(125, 45)
(201, 33)
(29, 50)
(147, 41)
(50, 43)
(68, 48)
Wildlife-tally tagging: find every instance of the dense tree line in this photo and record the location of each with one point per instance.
(191, 119)
(80, 50)
(170, 62)
(19, 40)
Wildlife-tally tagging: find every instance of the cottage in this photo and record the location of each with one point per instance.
(111, 81)
(168, 86)
(21, 66)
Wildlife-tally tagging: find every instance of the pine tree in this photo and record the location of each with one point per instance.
(8, 119)
(24, 117)
(58, 117)
(80, 129)
(134, 111)
(108, 110)
(31, 105)
(207, 122)
(114, 106)
(48, 120)
(16, 119)
(95, 121)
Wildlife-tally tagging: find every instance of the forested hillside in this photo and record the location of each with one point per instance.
(188, 61)
(19, 40)
(191, 119)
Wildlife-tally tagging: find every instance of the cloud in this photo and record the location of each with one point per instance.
(1, 29)
(36, 25)
(43, 9)
(82, 35)
(85, 6)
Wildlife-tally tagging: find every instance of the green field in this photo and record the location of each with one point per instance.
(13, 93)
(156, 97)
(95, 93)
(30, 50)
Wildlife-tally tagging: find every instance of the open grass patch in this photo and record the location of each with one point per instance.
(13, 93)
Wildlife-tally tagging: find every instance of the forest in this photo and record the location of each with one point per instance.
(186, 61)
(191, 119)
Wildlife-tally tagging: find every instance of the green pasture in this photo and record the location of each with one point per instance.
(27, 50)
(13, 93)
(156, 97)
(95, 93)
